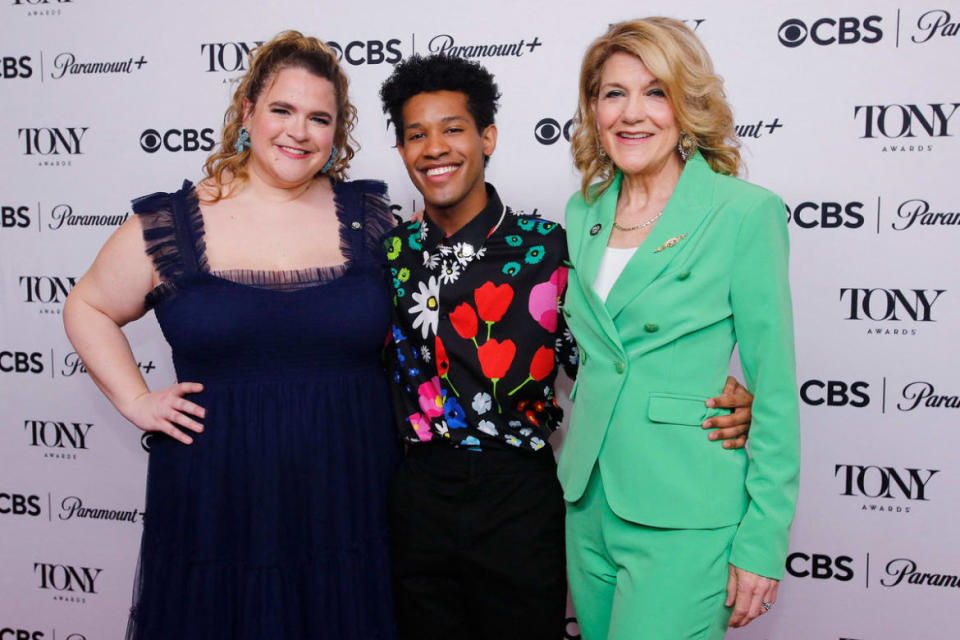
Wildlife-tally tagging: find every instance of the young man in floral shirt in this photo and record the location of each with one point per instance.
(476, 509)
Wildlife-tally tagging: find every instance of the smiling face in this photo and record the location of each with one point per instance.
(444, 153)
(291, 127)
(635, 120)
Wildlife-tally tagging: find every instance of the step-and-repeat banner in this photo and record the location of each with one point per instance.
(848, 110)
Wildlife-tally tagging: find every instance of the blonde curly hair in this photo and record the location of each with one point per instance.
(289, 49)
(677, 58)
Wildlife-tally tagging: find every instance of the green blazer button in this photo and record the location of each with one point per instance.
(621, 367)
(683, 275)
(651, 327)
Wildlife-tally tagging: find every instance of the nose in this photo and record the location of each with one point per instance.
(436, 146)
(297, 128)
(634, 110)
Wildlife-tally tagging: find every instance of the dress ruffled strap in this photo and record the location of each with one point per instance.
(173, 234)
(370, 220)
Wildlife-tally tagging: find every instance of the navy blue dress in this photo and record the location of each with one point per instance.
(272, 524)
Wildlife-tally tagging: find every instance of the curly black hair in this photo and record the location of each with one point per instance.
(423, 74)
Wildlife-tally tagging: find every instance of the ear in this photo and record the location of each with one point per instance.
(488, 138)
(247, 111)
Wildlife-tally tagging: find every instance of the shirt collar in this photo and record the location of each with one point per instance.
(474, 233)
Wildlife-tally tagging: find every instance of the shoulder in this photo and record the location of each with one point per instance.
(750, 196)
(366, 187)
(163, 201)
(534, 227)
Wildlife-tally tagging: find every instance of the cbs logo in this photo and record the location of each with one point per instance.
(174, 140)
(14, 217)
(835, 393)
(548, 131)
(794, 32)
(19, 505)
(11, 67)
(820, 567)
(826, 215)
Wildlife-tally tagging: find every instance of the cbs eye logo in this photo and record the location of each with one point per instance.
(175, 140)
(848, 30)
(548, 131)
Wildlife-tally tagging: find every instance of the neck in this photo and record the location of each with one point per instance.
(656, 186)
(454, 217)
(258, 186)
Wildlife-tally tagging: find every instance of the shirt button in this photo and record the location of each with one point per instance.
(621, 367)
(683, 275)
(355, 225)
(651, 327)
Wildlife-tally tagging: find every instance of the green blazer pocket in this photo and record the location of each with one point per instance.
(674, 408)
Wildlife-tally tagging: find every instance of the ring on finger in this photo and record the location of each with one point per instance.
(766, 606)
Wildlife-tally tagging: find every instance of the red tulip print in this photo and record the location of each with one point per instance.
(493, 302)
(540, 367)
(495, 360)
(443, 363)
(464, 320)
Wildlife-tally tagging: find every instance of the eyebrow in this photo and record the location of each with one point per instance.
(290, 107)
(445, 119)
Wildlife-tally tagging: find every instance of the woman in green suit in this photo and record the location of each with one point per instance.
(675, 261)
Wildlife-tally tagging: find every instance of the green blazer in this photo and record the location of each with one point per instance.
(661, 345)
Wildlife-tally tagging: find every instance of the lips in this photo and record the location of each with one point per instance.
(624, 135)
(439, 172)
(293, 152)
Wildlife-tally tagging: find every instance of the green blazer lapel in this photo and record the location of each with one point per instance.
(590, 251)
(687, 208)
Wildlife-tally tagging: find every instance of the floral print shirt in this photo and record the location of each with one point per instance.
(477, 336)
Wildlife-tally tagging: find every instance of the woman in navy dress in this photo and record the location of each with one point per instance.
(265, 511)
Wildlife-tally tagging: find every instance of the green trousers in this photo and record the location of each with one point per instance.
(632, 582)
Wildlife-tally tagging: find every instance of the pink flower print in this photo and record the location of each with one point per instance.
(421, 426)
(544, 298)
(431, 398)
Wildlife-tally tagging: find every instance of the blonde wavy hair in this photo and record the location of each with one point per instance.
(677, 58)
(289, 49)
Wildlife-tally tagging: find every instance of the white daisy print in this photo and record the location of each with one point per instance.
(427, 308)
(536, 444)
(431, 261)
(425, 352)
(464, 252)
(444, 249)
(482, 402)
(449, 272)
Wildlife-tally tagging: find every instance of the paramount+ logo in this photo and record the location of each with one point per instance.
(176, 140)
(829, 31)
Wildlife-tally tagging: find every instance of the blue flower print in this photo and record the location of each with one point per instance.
(471, 441)
(514, 241)
(527, 224)
(453, 412)
(398, 334)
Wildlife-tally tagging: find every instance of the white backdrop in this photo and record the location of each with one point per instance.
(846, 109)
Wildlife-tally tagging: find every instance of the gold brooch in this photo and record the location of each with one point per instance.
(670, 243)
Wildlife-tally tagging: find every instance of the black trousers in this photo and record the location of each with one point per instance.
(477, 545)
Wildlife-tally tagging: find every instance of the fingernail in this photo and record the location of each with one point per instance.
(711, 402)
(713, 436)
(707, 424)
